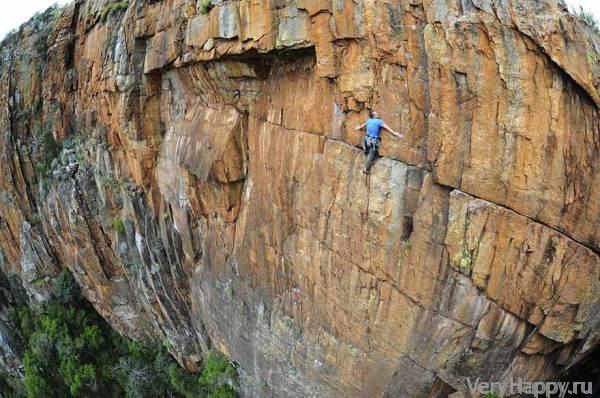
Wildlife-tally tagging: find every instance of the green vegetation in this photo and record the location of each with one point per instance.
(65, 290)
(34, 219)
(114, 7)
(51, 13)
(118, 226)
(215, 369)
(136, 266)
(46, 149)
(229, 292)
(406, 245)
(588, 18)
(49, 150)
(71, 352)
(205, 6)
(72, 142)
(466, 261)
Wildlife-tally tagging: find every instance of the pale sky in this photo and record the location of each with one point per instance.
(19, 11)
(16, 12)
(592, 6)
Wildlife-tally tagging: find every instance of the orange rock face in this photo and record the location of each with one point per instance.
(200, 176)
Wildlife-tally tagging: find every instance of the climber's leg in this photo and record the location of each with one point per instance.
(370, 159)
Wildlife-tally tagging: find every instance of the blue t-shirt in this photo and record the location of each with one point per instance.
(373, 127)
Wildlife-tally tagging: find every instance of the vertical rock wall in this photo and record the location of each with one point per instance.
(199, 175)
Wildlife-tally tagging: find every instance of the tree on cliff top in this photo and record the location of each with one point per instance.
(588, 18)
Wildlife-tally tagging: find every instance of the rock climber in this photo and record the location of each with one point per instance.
(371, 141)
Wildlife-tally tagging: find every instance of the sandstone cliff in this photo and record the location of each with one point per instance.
(199, 175)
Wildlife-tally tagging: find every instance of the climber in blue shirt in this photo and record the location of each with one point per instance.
(371, 141)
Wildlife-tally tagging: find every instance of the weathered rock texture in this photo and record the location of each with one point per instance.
(208, 191)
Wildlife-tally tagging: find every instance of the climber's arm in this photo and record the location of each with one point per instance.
(362, 126)
(388, 128)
